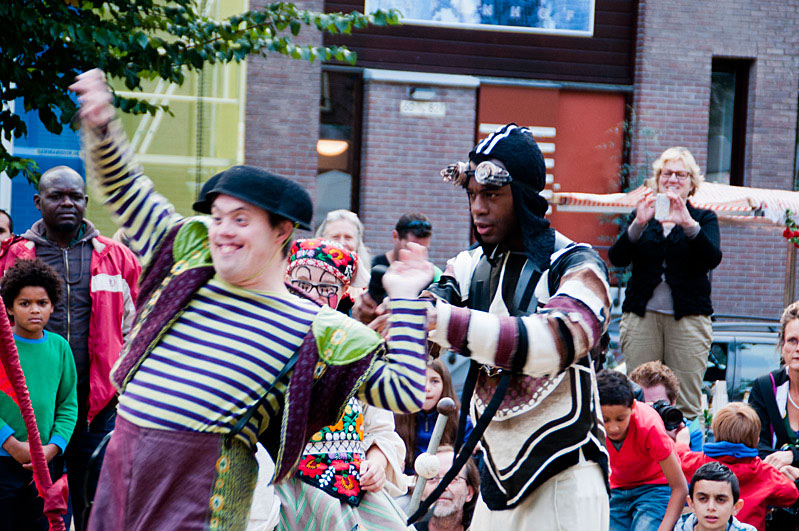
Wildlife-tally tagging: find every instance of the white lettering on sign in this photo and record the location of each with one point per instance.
(422, 108)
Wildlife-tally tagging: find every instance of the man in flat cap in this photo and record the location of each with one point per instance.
(223, 353)
(526, 305)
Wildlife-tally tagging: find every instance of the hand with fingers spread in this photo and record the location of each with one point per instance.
(409, 274)
(95, 98)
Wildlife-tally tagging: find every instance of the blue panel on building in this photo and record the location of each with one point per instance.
(48, 150)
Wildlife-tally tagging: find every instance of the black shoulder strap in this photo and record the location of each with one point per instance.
(523, 297)
(466, 399)
(480, 285)
(250, 412)
(770, 398)
(465, 453)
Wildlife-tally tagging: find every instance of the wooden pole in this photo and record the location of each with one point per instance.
(789, 294)
(446, 407)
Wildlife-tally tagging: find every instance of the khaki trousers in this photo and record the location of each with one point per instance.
(573, 500)
(682, 345)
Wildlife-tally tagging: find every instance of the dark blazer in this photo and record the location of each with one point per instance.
(687, 264)
(764, 402)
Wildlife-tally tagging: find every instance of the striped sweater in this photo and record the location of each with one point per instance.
(227, 346)
(550, 414)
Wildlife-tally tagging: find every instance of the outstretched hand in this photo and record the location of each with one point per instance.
(95, 98)
(409, 274)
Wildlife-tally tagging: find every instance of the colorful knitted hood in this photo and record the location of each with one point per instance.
(325, 254)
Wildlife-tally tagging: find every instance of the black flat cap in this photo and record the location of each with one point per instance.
(273, 193)
(207, 186)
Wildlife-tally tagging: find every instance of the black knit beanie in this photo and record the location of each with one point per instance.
(519, 153)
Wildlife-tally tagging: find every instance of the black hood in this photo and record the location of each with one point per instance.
(515, 147)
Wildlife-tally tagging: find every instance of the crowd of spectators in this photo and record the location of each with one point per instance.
(71, 295)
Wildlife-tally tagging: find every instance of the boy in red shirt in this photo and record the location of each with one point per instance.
(737, 430)
(647, 488)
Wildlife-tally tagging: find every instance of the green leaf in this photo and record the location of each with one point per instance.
(142, 40)
(49, 42)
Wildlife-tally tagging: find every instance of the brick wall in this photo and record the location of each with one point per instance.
(751, 277)
(282, 113)
(677, 40)
(400, 160)
(400, 155)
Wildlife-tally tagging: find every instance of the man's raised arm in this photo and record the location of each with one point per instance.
(144, 215)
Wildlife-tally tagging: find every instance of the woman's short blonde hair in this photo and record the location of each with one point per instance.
(737, 423)
(364, 269)
(676, 153)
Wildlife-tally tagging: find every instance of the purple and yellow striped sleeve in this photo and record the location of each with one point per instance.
(145, 215)
(542, 344)
(397, 380)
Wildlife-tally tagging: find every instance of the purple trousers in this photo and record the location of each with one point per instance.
(159, 479)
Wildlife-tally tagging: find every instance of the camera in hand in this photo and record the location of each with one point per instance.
(376, 289)
(671, 416)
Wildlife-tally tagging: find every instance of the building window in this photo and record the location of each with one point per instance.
(726, 135)
(338, 180)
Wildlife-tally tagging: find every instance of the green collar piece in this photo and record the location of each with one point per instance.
(191, 244)
(342, 340)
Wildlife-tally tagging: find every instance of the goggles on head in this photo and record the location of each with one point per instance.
(486, 173)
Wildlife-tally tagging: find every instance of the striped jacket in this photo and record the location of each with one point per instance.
(551, 411)
(337, 356)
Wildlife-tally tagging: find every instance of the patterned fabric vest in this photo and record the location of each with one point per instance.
(332, 458)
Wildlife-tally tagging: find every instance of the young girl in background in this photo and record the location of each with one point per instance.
(417, 428)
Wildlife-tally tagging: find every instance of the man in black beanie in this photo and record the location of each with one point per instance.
(527, 306)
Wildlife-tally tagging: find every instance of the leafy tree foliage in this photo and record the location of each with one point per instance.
(46, 43)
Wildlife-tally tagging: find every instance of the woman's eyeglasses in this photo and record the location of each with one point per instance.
(322, 288)
(681, 175)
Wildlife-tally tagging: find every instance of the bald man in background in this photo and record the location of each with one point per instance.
(100, 283)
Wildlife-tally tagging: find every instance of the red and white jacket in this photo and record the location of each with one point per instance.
(114, 288)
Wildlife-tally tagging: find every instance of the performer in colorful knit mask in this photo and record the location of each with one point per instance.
(222, 354)
(351, 470)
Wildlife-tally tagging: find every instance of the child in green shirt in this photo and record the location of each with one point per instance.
(30, 289)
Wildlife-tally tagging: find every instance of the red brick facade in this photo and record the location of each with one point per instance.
(675, 45)
(751, 277)
(401, 157)
(282, 112)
